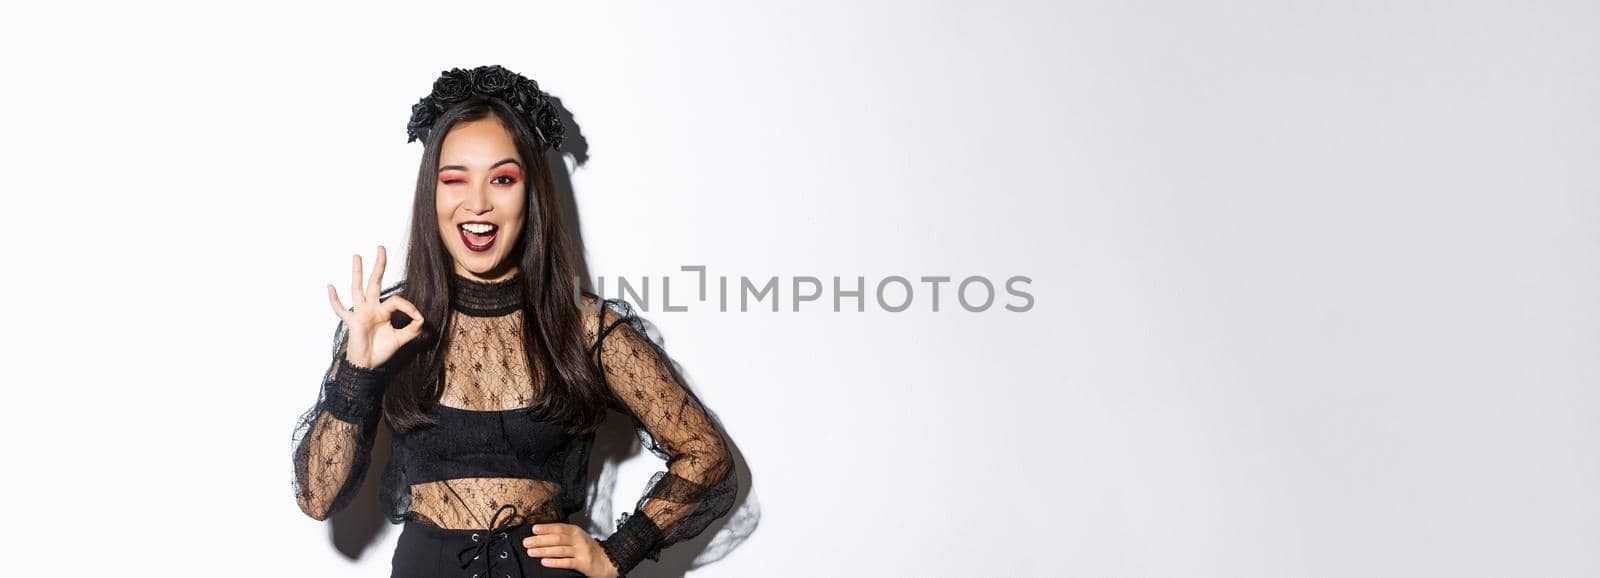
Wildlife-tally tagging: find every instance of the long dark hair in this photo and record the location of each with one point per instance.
(572, 392)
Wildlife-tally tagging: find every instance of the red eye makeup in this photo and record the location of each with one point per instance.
(508, 176)
(506, 172)
(452, 177)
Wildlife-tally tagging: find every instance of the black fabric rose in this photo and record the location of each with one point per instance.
(527, 100)
(423, 114)
(492, 80)
(453, 86)
(550, 126)
(533, 108)
(528, 85)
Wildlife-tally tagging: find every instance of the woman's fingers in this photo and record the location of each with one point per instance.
(412, 329)
(356, 294)
(375, 283)
(551, 534)
(333, 301)
(559, 562)
(561, 545)
(553, 552)
(543, 537)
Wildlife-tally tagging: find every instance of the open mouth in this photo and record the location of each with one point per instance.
(478, 236)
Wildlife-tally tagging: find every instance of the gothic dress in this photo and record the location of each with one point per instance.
(468, 487)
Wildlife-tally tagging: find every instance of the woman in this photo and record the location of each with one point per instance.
(494, 371)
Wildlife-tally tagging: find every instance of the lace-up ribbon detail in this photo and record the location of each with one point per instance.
(484, 543)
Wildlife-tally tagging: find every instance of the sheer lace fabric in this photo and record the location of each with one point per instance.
(538, 468)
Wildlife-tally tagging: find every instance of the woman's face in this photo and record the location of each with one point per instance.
(480, 198)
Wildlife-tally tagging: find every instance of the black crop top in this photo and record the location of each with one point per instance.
(483, 444)
(483, 453)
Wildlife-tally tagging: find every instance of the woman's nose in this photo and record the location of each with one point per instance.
(477, 199)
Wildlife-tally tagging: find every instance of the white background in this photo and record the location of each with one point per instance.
(1315, 283)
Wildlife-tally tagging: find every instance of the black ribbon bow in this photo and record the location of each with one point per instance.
(483, 546)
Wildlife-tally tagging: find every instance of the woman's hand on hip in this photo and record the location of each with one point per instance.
(568, 546)
(371, 340)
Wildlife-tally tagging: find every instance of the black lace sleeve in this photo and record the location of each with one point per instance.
(699, 484)
(333, 440)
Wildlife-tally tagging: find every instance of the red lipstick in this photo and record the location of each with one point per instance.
(478, 242)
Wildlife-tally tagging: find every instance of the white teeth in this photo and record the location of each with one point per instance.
(478, 228)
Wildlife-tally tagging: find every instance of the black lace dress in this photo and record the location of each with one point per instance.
(483, 458)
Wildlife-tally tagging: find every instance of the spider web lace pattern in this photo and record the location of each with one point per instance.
(486, 371)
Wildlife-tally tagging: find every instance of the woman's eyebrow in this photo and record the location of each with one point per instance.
(491, 167)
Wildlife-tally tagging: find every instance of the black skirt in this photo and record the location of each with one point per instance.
(425, 551)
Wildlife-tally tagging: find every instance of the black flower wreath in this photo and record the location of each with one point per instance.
(520, 93)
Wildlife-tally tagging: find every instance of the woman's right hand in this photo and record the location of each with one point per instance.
(371, 341)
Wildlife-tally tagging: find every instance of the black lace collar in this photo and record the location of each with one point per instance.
(485, 298)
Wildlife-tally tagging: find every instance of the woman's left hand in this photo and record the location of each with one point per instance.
(568, 546)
